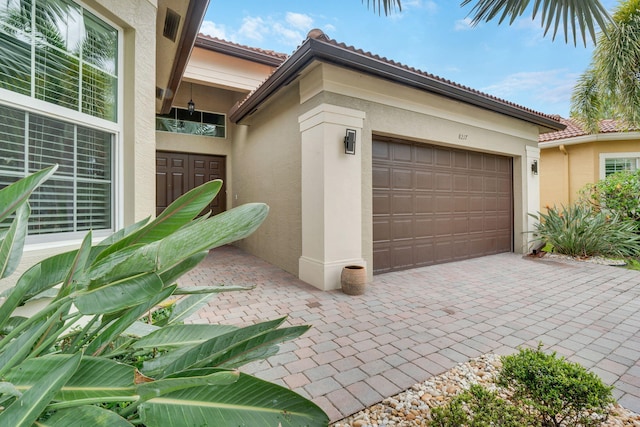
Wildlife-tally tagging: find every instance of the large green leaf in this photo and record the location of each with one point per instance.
(84, 416)
(172, 274)
(124, 263)
(12, 243)
(118, 295)
(151, 389)
(187, 306)
(249, 402)
(221, 229)
(224, 349)
(94, 378)
(182, 335)
(14, 195)
(119, 324)
(175, 216)
(25, 410)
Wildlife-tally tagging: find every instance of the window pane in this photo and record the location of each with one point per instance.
(59, 24)
(100, 46)
(52, 207)
(11, 139)
(179, 120)
(99, 93)
(94, 154)
(15, 63)
(94, 206)
(57, 77)
(619, 164)
(51, 142)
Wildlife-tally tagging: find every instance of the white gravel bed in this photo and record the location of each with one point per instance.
(412, 407)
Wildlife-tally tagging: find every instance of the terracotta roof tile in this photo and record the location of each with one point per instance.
(433, 76)
(273, 53)
(574, 129)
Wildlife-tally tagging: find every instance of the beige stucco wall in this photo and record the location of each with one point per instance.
(135, 199)
(225, 71)
(266, 168)
(568, 166)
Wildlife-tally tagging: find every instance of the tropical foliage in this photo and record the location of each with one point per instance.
(86, 359)
(610, 88)
(576, 16)
(580, 231)
(618, 193)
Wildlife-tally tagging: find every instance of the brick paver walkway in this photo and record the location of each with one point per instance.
(415, 324)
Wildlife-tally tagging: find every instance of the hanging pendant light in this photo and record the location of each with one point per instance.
(191, 106)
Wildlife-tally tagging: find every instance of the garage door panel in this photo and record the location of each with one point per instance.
(402, 179)
(381, 203)
(381, 177)
(440, 205)
(424, 180)
(402, 204)
(401, 153)
(401, 228)
(402, 256)
(424, 227)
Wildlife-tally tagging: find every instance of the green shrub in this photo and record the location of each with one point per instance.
(561, 392)
(617, 193)
(479, 407)
(580, 231)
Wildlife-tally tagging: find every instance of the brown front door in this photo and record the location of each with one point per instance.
(434, 204)
(177, 173)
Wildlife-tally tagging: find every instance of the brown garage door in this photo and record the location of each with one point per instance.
(434, 204)
(177, 173)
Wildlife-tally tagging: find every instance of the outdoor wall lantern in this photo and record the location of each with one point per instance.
(534, 167)
(191, 106)
(350, 142)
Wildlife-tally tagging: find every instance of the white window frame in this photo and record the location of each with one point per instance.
(605, 156)
(43, 108)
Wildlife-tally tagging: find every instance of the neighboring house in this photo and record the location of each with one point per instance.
(572, 158)
(432, 171)
(80, 85)
(440, 172)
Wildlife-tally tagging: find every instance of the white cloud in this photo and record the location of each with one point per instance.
(214, 30)
(463, 25)
(549, 87)
(253, 28)
(287, 35)
(299, 20)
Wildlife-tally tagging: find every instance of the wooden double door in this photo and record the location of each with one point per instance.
(177, 173)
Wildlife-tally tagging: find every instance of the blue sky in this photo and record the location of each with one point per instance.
(514, 62)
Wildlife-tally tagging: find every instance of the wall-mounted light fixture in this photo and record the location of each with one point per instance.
(350, 142)
(534, 167)
(191, 106)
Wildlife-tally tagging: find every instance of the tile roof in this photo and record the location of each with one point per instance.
(215, 43)
(574, 129)
(319, 46)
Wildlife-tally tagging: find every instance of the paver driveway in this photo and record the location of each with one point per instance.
(414, 324)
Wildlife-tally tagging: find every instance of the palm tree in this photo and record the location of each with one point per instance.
(582, 15)
(610, 88)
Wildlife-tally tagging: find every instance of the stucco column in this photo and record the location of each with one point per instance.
(331, 195)
(533, 190)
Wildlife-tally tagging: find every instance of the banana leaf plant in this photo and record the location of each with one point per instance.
(93, 354)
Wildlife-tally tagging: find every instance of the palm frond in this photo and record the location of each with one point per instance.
(584, 15)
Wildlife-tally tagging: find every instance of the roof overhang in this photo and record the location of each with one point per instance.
(238, 51)
(317, 50)
(173, 53)
(596, 137)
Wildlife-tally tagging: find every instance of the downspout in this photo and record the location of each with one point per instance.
(566, 181)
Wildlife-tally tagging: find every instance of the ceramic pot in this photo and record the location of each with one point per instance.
(353, 279)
